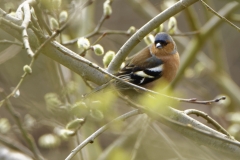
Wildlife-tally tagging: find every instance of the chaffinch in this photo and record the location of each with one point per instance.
(155, 63)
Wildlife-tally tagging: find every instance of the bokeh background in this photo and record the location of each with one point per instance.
(49, 78)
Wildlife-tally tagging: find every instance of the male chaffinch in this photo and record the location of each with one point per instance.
(155, 63)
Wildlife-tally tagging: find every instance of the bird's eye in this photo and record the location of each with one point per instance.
(160, 44)
(164, 43)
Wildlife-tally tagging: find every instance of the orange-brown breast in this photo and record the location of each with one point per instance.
(171, 64)
(170, 67)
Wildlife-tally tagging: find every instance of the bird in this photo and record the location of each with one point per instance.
(156, 63)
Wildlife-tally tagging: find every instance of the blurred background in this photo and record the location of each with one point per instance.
(50, 97)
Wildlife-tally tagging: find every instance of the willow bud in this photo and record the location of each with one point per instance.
(83, 43)
(131, 30)
(63, 17)
(107, 9)
(54, 24)
(172, 25)
(27, 69)
(149, 39)
(75, 124)
(98, 49)
(108, 58)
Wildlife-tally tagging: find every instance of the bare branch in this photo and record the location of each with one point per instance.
(25, 23)
(221, 17)
(167, 139)
(195, 45)
(28, 137)
(209, 120)
(140, 137)
(10, 42)
(186, 33)
(144, 30)
(191, 128)
(194, 100)
(91, 138)
(96, 30)
(10, 23)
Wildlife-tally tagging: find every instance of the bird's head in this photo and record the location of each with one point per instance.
(164, 43)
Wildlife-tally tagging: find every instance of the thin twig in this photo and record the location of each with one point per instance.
(72, 17)
(83, 53)
(70, 53)
(108, 32)
(28, 137)
(196, 44)
(183, 122)
(41, 20)
(10, 24)
(87, 83)
(54, 34)
(25, 73)
(140, 137)
(208, 102)
(191, 128)
(78, 141)
(144, 30)
(63, 82)
(57, 32)
(209, 120)
(25, 23)
(34, 21)
(16, 88)
(94, 32)
(99, 25)
(9, 17)
(221, 17)
(186, 33)
(102, 33)
(91, 138)
(37, 31)
(30, 65)
(10, 42)
(157, 129)
(126, 135)
(37, 51)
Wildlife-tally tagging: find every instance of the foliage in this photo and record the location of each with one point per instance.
(53, 53)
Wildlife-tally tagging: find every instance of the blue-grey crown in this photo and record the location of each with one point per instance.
(162, 36)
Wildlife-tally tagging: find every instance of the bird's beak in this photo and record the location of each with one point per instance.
(158, 45)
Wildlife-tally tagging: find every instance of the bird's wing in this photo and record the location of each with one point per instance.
(142, 73)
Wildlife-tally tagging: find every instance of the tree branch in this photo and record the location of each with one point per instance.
(209, 120)
(144, 30)
(25, 23)
(91, 138)
(221, 17)
(55, 51)
(191, 128)
(28, 137)
(167, 139)
(195, 45)
(10, 42)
